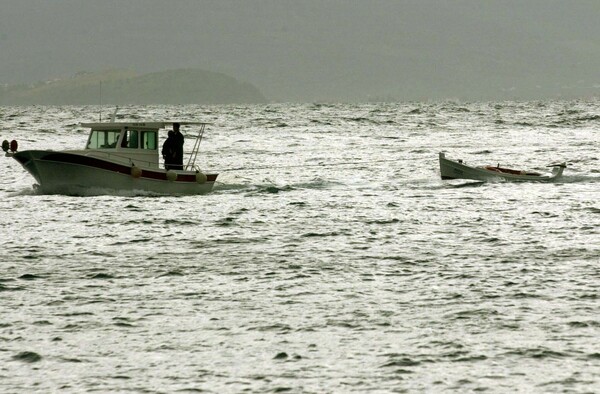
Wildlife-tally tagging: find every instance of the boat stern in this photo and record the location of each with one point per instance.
(558, 169)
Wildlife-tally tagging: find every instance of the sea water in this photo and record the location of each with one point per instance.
(330, 256)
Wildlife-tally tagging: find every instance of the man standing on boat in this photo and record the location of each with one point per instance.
(178, 141)
(168, 151)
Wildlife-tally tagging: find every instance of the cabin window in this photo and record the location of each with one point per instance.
(130, 139)
(149, 140)
(103, 139)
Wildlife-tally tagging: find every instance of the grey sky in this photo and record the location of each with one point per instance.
(318, 50)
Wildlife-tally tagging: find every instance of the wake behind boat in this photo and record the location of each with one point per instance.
(118, 156)
(457, 169)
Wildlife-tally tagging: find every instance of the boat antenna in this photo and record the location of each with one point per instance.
(100, 102)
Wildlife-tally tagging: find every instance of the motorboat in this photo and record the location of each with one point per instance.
(458, 169)
(118, 156)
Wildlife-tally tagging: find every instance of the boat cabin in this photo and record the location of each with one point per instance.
(129, 142)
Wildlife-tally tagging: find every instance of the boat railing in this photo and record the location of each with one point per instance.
(123, 159)
(194, 154)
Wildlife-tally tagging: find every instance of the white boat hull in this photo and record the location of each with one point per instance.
(70, 173)
(451, 169)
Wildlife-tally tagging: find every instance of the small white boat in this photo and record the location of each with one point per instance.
(118, 156)
(457, 169)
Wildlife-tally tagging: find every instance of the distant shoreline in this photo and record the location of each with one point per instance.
(122, 87)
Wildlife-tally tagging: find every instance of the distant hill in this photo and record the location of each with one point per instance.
(184, 86)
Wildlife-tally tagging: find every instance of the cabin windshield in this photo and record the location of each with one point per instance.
(103, 139)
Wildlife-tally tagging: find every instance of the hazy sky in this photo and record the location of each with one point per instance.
(304, 50)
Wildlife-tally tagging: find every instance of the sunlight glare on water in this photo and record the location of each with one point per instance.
(330, 257)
